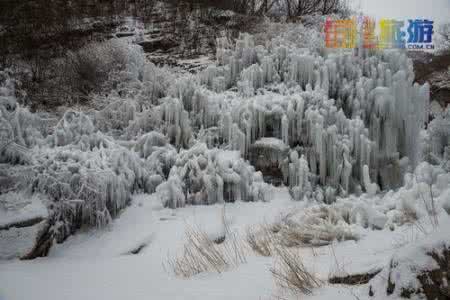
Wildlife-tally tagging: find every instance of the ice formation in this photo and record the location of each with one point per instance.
(437, 139)
(356, 119)
(208, 176)
(327, 124)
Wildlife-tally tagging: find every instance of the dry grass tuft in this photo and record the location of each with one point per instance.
(262, 240)
(318, 228)
(409, 213)
(291, 274)
(202, 254)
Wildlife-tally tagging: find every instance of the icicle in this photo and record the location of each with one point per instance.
(371, 188)
(298, 176)
(301, 70)
(285, 129)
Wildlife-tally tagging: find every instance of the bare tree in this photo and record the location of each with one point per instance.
(296, 8)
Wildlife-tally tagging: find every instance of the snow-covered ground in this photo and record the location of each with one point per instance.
(95, 265)
(99, 265)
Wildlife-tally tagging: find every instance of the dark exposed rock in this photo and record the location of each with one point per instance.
(267, 156)
(137, 249)
(43, 243)
(27, 239)
(6, 184)
(433, 69)
(124, 34)
(219, 240)
(180, 30)
(21, 224)
(432, 277)
(354, 279)
(160, 43)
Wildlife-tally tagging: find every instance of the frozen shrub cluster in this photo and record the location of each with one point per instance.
(437, 139)
(292, 34)
(207, 176)
(90, 163)
(19, 128)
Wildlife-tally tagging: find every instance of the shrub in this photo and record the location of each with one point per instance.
(87, 69)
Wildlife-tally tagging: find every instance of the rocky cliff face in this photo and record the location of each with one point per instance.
(175, 31)
(434, 69)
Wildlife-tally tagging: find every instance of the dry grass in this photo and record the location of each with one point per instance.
(202, 254)
(409, 215)
(262, 240)
(291, 274)
(317, 228)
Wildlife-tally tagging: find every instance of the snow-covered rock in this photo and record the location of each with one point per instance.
(417, 270)
(23, 218)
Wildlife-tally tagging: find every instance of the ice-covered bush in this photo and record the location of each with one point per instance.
(443, 38)
(203, 176)
(19, 128)
(98, 181)
(437, 140)
(116, 116)
(87, 176)
(291, 34)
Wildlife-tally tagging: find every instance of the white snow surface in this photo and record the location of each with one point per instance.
(97, 264)
(17, 207)
(274, 143)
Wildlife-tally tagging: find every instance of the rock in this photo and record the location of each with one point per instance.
(354, 279)
(433, 69)
(420, 269)
(43, 241)
(160, 43)
(24, 221)
(267, 156)
(19, 240)
(6, 184)
(124, 34)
